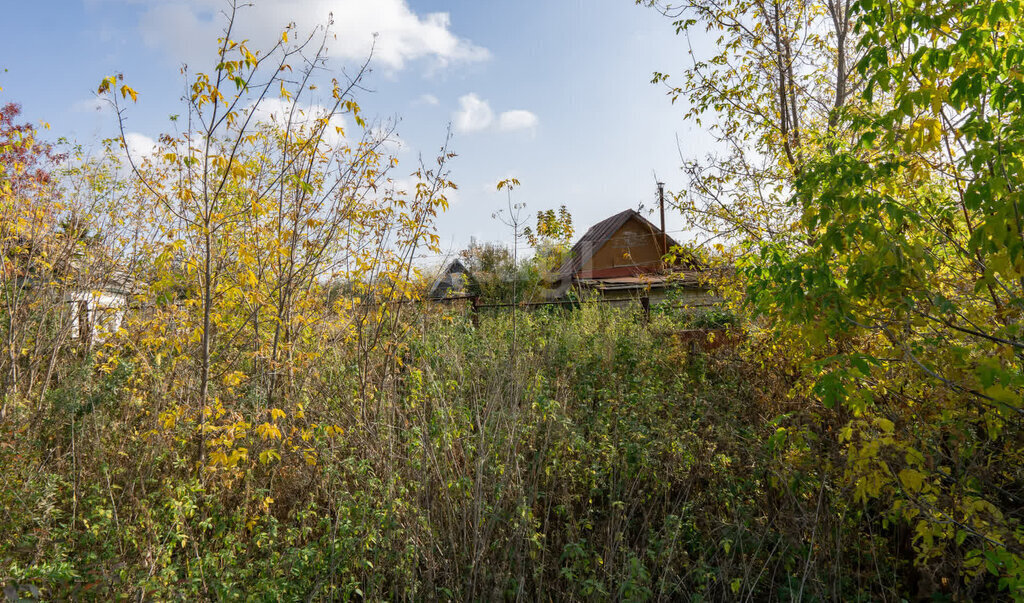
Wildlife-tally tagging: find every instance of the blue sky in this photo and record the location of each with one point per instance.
(556, 93)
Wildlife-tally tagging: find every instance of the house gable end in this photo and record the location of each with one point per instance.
(635, 247)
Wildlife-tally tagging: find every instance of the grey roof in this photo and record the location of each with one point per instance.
(455, 281)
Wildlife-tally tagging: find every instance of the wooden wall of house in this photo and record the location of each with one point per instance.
(633, 248)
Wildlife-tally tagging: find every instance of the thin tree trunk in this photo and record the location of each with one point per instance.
(204, 387)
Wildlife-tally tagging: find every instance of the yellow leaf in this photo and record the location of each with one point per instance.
(268, 431)
(105, 84)
(126, 92)
(911, 479)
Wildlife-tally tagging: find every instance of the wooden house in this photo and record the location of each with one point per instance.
(622, 258)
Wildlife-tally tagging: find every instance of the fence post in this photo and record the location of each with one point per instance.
(645, 302)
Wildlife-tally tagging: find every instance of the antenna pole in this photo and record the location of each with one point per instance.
(661, 204)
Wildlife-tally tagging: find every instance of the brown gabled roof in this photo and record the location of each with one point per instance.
(597, 236)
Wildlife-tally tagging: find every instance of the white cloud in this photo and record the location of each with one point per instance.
(429, 99)
(517, 119)
(474, 114)
(395, 144)
(402, 185)
(139, 146)
(277, 111)
(391, 142)
(189, 28)
(272, 111)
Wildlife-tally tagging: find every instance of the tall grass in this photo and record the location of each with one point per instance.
(603, 461)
